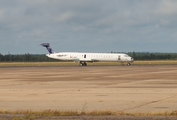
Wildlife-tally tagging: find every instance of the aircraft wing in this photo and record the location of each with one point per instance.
(94, 60)
(82, 60)
(87, 60)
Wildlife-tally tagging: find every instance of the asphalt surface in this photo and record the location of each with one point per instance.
(128, 89)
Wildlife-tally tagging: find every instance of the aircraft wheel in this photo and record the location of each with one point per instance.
(128, 64)
(83, 64)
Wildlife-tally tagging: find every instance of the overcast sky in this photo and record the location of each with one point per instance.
(88, 26)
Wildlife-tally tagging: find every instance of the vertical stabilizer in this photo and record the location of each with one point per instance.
(47, 45)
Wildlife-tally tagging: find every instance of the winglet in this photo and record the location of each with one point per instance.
(47, 45)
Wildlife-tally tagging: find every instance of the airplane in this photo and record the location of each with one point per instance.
(83, 58)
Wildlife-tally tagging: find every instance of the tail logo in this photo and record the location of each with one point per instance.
(47, 45)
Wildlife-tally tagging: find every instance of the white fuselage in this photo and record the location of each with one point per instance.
(82, 58)
(90, 57)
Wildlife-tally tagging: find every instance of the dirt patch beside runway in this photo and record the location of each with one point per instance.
(134, 89)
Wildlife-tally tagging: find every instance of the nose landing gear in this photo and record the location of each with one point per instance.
(128, 64)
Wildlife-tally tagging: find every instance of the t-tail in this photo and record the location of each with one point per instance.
(47, 45)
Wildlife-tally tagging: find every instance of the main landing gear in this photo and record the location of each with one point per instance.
(83, 63)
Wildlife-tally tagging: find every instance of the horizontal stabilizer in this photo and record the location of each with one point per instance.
(45, 44)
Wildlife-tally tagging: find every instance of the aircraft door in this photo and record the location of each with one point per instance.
(119, 58)
(85, 56)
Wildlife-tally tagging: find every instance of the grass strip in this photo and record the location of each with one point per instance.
(91, 113)
(60, 64)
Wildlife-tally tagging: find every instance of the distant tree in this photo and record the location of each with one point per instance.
(1, 57)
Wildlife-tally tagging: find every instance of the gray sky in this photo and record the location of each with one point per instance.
(88, 25)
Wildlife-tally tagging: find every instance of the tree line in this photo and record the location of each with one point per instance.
(25, 58)
(153, 56)
(43, 58)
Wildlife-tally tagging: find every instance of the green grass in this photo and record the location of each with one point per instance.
(91, 113)
(59, 64)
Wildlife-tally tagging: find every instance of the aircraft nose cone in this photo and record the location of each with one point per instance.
(132, 59)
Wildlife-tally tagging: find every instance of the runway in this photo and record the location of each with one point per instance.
(145, 89)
